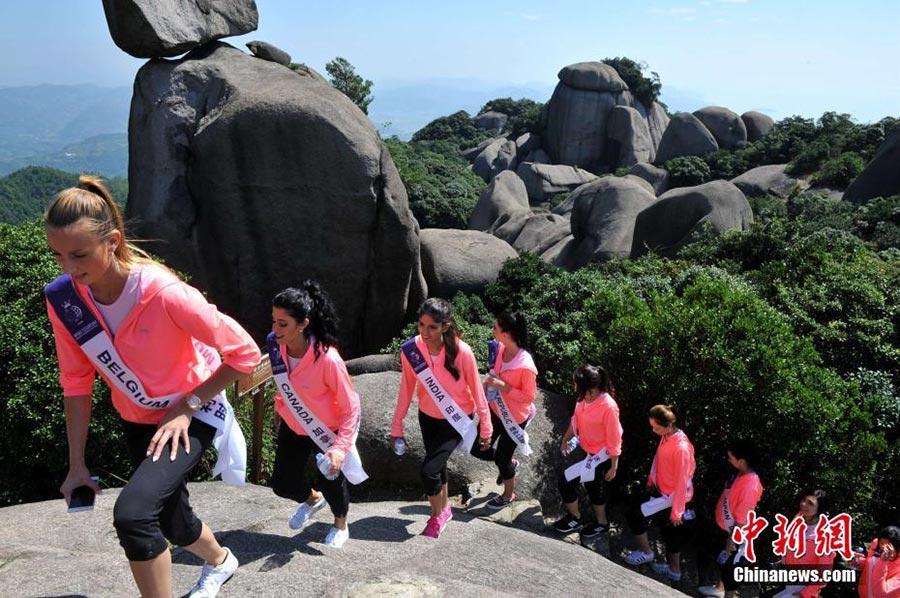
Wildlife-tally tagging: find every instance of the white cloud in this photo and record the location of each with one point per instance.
(532, 17)
(684, 10)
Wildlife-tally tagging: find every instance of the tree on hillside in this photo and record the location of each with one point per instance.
(646, 89)
(344, 79)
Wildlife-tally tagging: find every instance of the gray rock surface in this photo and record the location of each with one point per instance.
(679, 214)
(540, 232)
(766, 180)
(565, 208)
(270, 52)
(560, 253)
(508, 228)
(538, 156)
(491, 120)
(881, 176)
(307, 71)
(526, 143)
(48, 552)
(472, 153)
(252, 178)
(657, 177)
(504, 198)
(630, 133)
(542, 180)
(461, 260)
(603, 217)
(592, 76)
(685, 136)
(657, 121)
(483, 165)
(506, 158)
(726, 126)
(373, 364)
(758, 124)
(154, 29)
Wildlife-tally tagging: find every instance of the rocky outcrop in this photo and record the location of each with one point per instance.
(491, 121)
(461, 260)
(881, 176)
(657, 121)
(726, 127)
(758, 124)
(657, 177)
(629, 132)
(471, 153)
(685, 136)
(504, 198)
(543, 180)
(506, 158)
(373, 364)
(766, 180)
(270, 52)
(251, 178)
(603, 216)
(483, 165)
(153, 29)
(540, 232)
(678, 215)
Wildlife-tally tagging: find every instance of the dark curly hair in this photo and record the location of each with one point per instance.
(439, 310)
(310, 301)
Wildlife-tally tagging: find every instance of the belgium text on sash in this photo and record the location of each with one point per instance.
(315, 429)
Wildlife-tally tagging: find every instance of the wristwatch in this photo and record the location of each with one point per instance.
(193, 402)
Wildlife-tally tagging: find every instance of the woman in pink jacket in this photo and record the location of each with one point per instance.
(304, 331)
(880, 566)
(141, 328)
(812, 504)
(514, 376)
(670, 490)
(444, 376)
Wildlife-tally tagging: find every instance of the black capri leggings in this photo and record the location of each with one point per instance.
(440, 440)
(289, 478)
(506, 446)
(154, 507)
(597, 489)
(672, 535)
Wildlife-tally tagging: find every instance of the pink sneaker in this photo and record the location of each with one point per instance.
(446, 515)
(433, 528)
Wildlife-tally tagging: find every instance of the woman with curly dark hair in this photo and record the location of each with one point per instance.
(324, 419)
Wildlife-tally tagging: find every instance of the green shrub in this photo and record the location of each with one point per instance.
(725, 164)
(646, 89)
(687, 171)
(458, 129)
(839, 172)
(524, 114)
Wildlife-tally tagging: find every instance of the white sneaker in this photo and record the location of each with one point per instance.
(639, 557)
(664, 569)
(213, 578)
(712, 591)
(336, 537)
(304, 512)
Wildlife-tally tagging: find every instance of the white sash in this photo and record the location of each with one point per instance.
(586, 468)
(97, 345)
(517, 433)
(315, 429)
(464, 426)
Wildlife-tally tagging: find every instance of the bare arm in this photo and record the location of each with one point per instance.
(78, 417)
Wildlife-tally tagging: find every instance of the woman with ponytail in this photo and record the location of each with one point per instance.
(156, 342)
(442, 371)
(511, 387)
(317, 406)
(669, 492)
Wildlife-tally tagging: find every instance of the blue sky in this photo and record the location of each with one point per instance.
(781, 57)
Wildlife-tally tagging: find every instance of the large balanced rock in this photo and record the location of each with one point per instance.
(270, 52)
(768, 180)
(630, 133)
(461, 260)
(603, 216)
(657, 177)
(657, 121)
(251, 178)
(504, 198)
(726, 126)
(881, 176)
(491, 120)
(543, 180)
(678, 215)
(758, 124)
(483, 165)
(685, 136)
(48, 552)
(541, 232)
(153, 29)
(577, 112)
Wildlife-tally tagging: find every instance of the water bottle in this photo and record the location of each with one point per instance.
(400, 447)
(492, 391)
(571, 446)
(324, 464)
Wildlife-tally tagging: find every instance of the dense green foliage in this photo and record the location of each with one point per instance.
(458, 129)
(524, 114)
(687, 171)
(344, 78)
(644, 88)
(26, 193)
(442, 189)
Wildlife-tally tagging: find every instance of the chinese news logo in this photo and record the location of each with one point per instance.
(831, 535)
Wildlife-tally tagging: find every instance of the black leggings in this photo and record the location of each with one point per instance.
(672, 535)
(153, 507)
(289, 478)
(502, 455)
(440, 440)
(597, 488)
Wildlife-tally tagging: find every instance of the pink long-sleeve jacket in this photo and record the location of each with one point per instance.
(598, 425)
(467, 392)
(156, 342)
(675, 467)
(878, 578)
(521, 375)
(746, 490)
(326, 389)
